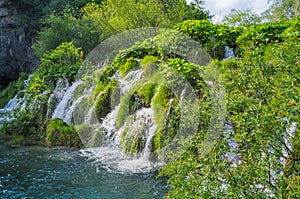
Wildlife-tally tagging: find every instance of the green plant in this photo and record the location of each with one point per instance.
(262, 92)
(62, 62)
(11, 91)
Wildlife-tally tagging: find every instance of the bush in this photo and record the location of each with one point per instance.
(212, 37)
(262, 34)
(62, 62)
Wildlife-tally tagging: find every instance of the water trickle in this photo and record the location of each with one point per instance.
(63, 107)
(150, 123)
(129, 80)
(15, 103)
(56, 96)
(109, 122)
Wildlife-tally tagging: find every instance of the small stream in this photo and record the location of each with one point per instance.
(40, 172)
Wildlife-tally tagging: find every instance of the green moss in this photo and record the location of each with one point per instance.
(169, 128)
(104, 101)
(146, 93)
(160, 104)
(59, 133)
(134, 100)
(130, 64)
(149, 65)
(133, 140)
(124, 109)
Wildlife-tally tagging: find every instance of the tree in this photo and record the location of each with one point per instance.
(95, 22)
(196, 11)
(65, 27)
(113, 18)
(282, 9)
(242, 18)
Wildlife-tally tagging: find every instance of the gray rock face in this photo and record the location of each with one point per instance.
(16, 55)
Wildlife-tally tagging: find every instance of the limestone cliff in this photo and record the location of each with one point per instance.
(16, 36)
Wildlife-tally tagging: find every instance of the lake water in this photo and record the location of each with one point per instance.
(40, 172)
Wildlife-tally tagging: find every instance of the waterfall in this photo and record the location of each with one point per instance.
(229, 53)
(112, 157)
(151, 132)
(56, 96)
(62, 109)
(109, 122)
(131, 78)
(15, 103)
(139, 125)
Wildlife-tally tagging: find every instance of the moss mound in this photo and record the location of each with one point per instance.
(59, 133)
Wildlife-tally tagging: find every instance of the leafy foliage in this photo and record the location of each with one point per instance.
(242, 18)
(263, 34)
(62, 62)
(13, 88)
(262, 94)
(95, 21)
(212, 37)
(282, 9)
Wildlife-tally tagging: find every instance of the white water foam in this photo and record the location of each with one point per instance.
(111, 158)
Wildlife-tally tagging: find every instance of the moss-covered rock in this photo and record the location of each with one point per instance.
(59, 133)
(133, 138)
(146, 93)
(169, 128)
(104, 102)
(91, 137)
(129, 65)
(149, 65)
(130, 103)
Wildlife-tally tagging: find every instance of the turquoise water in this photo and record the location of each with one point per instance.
(39, 172)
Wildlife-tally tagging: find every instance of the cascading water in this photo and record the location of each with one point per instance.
(56, 96)
(15, 103)
(229, 53)
(141, 126)
(111, 157)
(64, 108)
